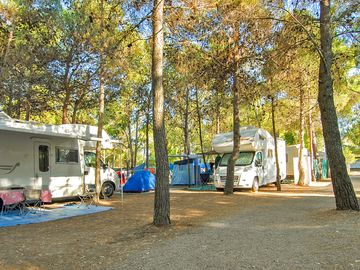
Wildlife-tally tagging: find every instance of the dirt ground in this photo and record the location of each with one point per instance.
(106, 240)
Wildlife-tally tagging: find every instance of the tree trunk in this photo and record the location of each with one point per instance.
(81, 95)
(200, 133)
(257, 117)
(229, 184)
(99, 134)
(162, 194)
(136, 137)
(147, 133)
(75, 111)
(301, 139)
(101, 113)
(345, 196)
(66, 103)
(278, 177)
(130, 143)
(218, 114)
(311, 136)
(3, 63)
(187, 149)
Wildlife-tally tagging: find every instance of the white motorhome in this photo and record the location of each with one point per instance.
(255, 165)
(55, 157)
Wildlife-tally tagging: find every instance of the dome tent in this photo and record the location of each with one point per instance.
(141, 181)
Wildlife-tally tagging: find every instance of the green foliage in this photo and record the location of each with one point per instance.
(349, 155)
(289, 138)
(52, 60)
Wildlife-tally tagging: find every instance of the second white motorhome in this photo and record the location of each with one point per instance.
(59, 158)
(255, 165)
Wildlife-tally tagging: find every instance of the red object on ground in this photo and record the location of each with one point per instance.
(122, 177)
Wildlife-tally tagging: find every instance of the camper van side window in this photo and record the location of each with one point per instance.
(64, 155)
(43, 158)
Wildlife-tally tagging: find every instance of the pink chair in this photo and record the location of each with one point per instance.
(12, 200)
(46, 196)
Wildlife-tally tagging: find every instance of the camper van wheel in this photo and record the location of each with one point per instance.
(255, 185)
(107, 190)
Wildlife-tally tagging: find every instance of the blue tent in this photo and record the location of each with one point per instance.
(186, 172)
(139, 167)
(141, 181)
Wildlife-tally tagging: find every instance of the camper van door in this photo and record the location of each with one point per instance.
(42, 164)
(259, 164)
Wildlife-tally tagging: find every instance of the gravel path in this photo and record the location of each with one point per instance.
(297, 228)
(301, 232)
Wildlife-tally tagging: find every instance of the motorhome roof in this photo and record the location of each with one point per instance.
(251, 138)
(77, 131)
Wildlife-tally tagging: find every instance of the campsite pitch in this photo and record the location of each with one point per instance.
(297, 228)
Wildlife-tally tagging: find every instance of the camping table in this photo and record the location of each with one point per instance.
(12, 199)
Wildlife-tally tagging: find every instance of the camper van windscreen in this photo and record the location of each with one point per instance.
(244, 159)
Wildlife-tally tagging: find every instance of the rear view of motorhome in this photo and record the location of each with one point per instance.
(59, 158)
(255, 165)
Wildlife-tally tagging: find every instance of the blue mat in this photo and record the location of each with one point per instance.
(13, 218)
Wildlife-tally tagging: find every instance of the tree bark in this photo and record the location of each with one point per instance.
(345, 196)
(101, 112)
(147, 133)
(162, 195)
(3, 63)
(257, 117)
(187, 149)
(229, 184)
(230, 170)
(131, 158)
(66, 103)
(218, 113)
(136, 137)
(278, 177)
(99, 134)
(199, 122)
(311, 136)
(301, 139)
(218, 99)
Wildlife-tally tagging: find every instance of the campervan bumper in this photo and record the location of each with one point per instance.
(239, 182)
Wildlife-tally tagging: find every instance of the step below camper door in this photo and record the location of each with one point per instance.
(42, 165)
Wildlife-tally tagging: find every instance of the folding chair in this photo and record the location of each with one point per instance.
(12, 200)
(32, 200)
(45, 197)
(88, 197)
(205, 177)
